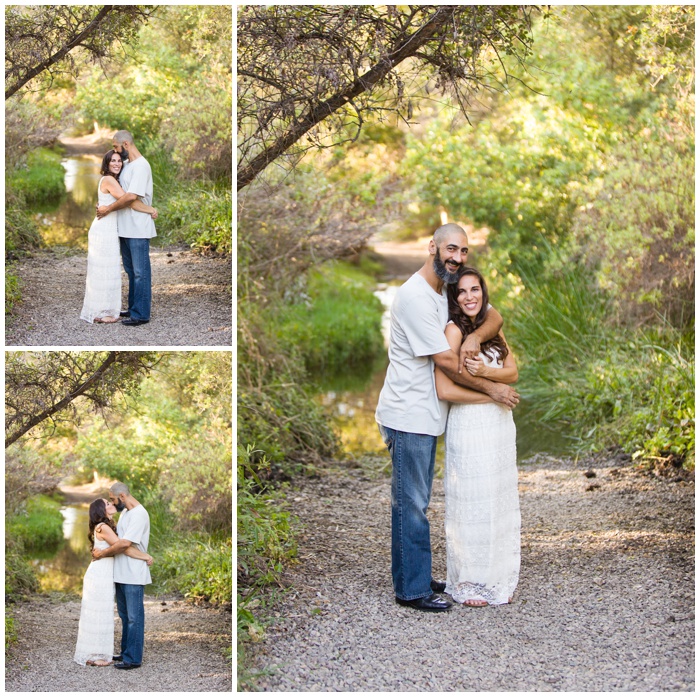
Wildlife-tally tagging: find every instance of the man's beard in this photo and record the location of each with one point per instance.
(441, 270)
(120, 506)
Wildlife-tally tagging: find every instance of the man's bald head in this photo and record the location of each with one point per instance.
(444, 231)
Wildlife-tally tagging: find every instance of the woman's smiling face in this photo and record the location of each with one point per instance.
(470, 295)
(115, 163)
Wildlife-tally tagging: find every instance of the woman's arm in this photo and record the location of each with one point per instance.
(446, 388)
(115, 542)
(507, 374)
(112, 186)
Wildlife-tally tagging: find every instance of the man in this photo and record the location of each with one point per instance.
(410, 415)
(130, 575)
(135, 229)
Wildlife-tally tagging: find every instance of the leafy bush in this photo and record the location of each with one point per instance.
(265, 543)
(615, 386)
(20, 579)
(335, 323)
(39, 526)
(199, 567)
(41, 178)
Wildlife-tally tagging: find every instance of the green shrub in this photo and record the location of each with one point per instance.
(39, 526)
(10, 631)
(336, 323)
(615, 386)
(41, 178)
(199, 567)
(265, 544)
(20, 579)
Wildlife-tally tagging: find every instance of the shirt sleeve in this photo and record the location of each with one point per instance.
(139, 180)
(424, 330)
(135, 528)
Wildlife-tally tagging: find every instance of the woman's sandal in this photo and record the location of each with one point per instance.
(475, 602)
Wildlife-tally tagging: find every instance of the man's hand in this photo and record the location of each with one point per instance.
(149, 561)
(154, 215)
(504, 394)
(469, 349)
(102, 211)
(96, 554)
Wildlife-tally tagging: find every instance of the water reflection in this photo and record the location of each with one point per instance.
(63, 570)
(68, 223)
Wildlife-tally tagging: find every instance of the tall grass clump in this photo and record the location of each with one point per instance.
(265, 544)
(614, 386)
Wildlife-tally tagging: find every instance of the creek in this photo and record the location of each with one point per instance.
(351, 401)
(67, 223)
(63, 570)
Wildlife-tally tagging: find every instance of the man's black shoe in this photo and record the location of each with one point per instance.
(134, 322)
(117, 658)
(433, 603)
(125, 313)
(438, 586)
(127, 666)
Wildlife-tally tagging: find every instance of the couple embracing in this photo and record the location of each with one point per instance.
(447, 353)
(122, 228)
(119, 569)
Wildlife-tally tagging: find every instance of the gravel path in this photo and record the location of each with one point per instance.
(183, 650)
(605, 600)
(191, 303)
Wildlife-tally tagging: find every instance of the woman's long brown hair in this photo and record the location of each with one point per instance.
(466, 324)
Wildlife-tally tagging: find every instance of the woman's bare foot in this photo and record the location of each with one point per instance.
(106, 320)
(473, 602)
(99, 663)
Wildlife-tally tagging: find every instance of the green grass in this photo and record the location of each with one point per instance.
(336, 320)
(41, 178)
(39, 526)
(10, 631)
(616, 386)
(265, 544)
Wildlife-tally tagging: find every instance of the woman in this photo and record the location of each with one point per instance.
(96, 629)
(482, 514)
(103, 285)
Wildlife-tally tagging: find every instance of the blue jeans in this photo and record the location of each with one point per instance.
(413, 466)
(130, 608)
(137, 265)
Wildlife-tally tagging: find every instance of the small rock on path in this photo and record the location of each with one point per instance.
(183, 650)
(191, 303)
(605, 600)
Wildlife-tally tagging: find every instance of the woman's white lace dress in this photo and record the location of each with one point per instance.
(103, 284)
(482, 513)
(96, 628)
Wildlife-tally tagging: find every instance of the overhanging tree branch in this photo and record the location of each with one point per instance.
(63, 403)
(318, 113)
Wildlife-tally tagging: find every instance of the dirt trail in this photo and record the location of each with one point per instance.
(191, 302)
(605, 600)
(183, 650)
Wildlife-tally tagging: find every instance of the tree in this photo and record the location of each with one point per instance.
(43, 386)
(303, 66)
(44, 38)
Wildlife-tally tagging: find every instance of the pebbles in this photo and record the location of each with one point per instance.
(191, 302)
(603, 572)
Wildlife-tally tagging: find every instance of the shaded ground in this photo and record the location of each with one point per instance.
(605, 600)
(191, 302)
(183, 650)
